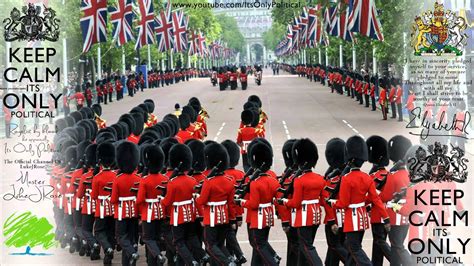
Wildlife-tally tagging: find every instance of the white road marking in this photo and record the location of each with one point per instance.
(353, 128)
(288, 136)
(219, 131)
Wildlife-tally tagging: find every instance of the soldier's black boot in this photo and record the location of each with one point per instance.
(95, 252)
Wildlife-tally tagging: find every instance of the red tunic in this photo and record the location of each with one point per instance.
(395, 182)
(179, 195)
(237, 175)
(123, 199)
(101, 196)
(375, 215)
(148, 200)
(245, 135)
(84, 193)
(184, 135)
(399, 95)
(217, 200)
(133, 138)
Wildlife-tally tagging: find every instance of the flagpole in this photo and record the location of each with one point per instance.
(327, 57)
(162, 64)
(354, 62)
(341, 63)
(99, 62)
(65, 62)
(149, 57)
(405, 67)
(171, 60)
(189, 61)
(374, 61)
(123, 61)
(319, 54)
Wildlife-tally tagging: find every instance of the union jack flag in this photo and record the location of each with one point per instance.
(364, 20)
(296, 35)
(121, 17)
(289, 38)
(315, 29)
(202, 46)
(93, 23)
(330, 15)
(339, 27)
(179, 31)
(146, 24)
(164, 31)
(192, 44)
(303, 25)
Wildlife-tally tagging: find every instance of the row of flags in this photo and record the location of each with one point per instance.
(312, 27)
(168, 30)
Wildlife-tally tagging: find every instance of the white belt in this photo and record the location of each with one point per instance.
(212, 215)
(389, 204)
(149, 210)
(176, 209)
(69, 197)
(102, 205)
(339, 217)
(304, 210)
(78, 203)
(89, 204)
(121, 200)
(260, 213)
(355, 221)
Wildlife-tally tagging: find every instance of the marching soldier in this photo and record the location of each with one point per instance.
(333, 219)
(118, 88)
(179, 199)
(366, 90)
(88, 93)
(378, 156)
(260, 204)
(110, 88)
(217, 200)
(243, 78)
(98, 89)
(305, 203)
(396, 180)
(152, 119)
(383, 98)
(398, 100)
(372, 92)
(183, 134)
(124, 199)
(246, 134)
(104, 227)
(356, 188)
(69, 236)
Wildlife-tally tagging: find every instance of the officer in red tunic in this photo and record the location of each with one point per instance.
(233, 79)
(399, 99)
(118, 88)
(366, 90)
(217, 201)
(88, 93)
(260, 204)
(104, 227)
(391, 97)
(79, 97)
(124, 200)
(243, 77)
(246, 134)
(356, 189)
(179, 199)
(333, 218)
(396, 180)
(305, 203)
(383, 101)
(70, 155)
(152, 119)
(137, 128)
(378, 156)
(221, 79)
(410, 105)
(237, 175)
(372, 92)
(183, 133)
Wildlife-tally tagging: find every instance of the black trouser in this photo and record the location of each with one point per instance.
(399, 255)
(361, 98)
(400, 112)
(232, 244)
(222, 86)
(348, 91)
(185, 241)
(78, 107)
(117, 94)
(394, 109)
(77, 217)
(125, 231)
(151, 232)
(384, 111)
(89, 103)
(244, 85)
(352, 93)
(131, 90)
(110, 97)
(69, 231)
(99, 99)
(356, 255)
(233, 85)
(168, 240)
(307, 252)
(374, 107)
(214, 239)
(380, 248)
(58, 218)
(292, 247)
(245, 162)
(336, 251)
(262, 253)
(367, 100)
(104, 232)
(87, 227)
(67, 110)
(105, 97)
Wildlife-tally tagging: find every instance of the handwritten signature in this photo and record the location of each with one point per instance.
(428, 124)
(35, 194)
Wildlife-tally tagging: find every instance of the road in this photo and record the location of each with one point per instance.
(296, 108)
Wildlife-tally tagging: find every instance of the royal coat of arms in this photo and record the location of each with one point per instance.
(439, 32)
(438, 166)
(31, 25)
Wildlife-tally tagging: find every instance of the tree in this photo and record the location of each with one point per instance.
(27, 230)
(231, 33)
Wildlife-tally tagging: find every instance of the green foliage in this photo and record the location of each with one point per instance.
(274, 35)
(231, 33)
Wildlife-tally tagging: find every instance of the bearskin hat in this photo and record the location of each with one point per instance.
(139, 124)
(118, 130)
(105, 137)
(106, 154)
(60, 124)
(127, 157)
(255, 99)
(260, 156)
(129, 120)
(287, 152)
(356, 150)
(125, 131)
(144, 107)
(81, 152)
(250, 105)
(109, 129)
(233, 150)
(76, 115)
(150, 105)
(93, 126)
(216, 153)
(69, 121)
(86, 113)
(97, 109)
(378, 150)
(166, 145)
(184, 121)
(335, 152)
(90, 156)
(187, 109)
(304, 151)
(197, 149)
(72, 132)
(173, 126)
(194, 101)
(87, 130)
(80, 132)
(180, 154)
(247, 117)
(397, 147)
(153, 158)
(70, 155)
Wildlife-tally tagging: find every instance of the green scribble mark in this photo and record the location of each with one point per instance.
(28, 230)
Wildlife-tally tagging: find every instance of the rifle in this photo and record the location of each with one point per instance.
(245, 188)
(211, 174)
(173, 175)
(191, 172)
(380, 183)
(333, 192)
(286, 192)
(286, 174)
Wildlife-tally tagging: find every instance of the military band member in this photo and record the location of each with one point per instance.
(356, 189)
(67, 197)
(378, 156)
(305, 203)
